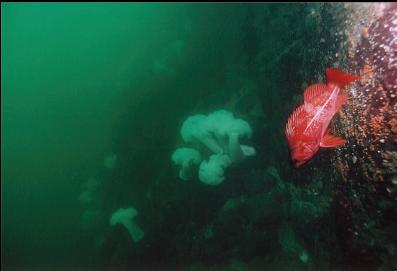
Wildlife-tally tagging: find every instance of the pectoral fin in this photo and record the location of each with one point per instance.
(330, 141)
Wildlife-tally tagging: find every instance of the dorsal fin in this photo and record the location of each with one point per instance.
(339, 78)
(314, 91)
(294, 120)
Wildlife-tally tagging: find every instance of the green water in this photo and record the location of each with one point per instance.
(82, 83)
(67, 73)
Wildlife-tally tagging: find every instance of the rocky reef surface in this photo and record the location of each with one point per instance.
(367, 191)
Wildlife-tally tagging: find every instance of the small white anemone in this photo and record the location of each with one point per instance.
(124, 217)
(194, 129)
(212, 171)
(238, 152)
(186, 157)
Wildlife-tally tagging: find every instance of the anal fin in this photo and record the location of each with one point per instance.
(330, 141)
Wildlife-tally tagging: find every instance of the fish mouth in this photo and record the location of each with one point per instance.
(302, 158)
(299, 160)
(299, 163)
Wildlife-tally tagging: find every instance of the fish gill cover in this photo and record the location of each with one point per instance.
(94, 96)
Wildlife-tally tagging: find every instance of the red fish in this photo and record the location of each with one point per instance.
(307, 127)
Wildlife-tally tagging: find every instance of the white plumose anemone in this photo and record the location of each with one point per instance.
(125, 217)
(186, 158)
(212, 171)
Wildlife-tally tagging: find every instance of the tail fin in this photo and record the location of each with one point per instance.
(340, 78)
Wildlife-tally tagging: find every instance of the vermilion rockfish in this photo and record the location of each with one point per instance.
(307, 127)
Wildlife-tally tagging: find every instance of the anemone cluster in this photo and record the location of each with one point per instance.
(218, 135)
